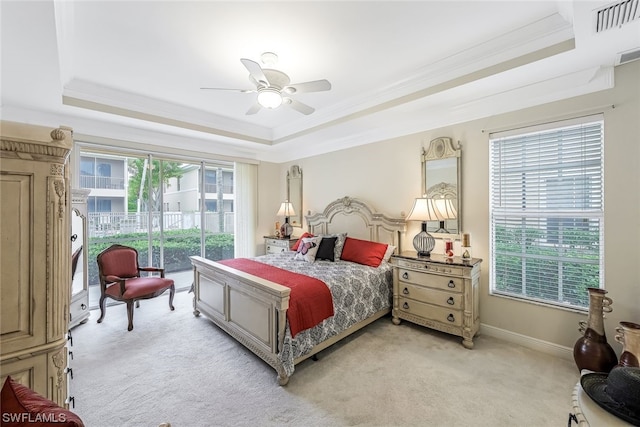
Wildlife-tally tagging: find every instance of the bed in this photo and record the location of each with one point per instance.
(253, 310)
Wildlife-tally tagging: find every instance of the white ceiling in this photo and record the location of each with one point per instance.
(133, 70)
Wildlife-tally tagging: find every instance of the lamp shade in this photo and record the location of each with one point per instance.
(269, 98)
(286, 209)
(446, 209)
(424, 209)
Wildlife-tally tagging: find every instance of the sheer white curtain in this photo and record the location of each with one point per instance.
(246, 208)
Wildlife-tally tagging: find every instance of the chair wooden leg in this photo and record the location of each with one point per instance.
(102, 308)
(172, 292)
(130, 314)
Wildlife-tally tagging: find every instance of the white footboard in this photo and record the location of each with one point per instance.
(250, 309)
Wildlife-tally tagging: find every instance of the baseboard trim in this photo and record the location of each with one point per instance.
(529, 342)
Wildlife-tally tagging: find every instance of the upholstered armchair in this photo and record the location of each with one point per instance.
(121, 280)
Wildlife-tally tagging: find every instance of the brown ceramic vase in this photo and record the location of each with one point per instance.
(628, 334)
(592, 351)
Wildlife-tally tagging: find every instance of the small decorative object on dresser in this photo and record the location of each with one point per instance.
(437, 292)
(275, 244)
(448, 247)
(466, 246)
(592, 351)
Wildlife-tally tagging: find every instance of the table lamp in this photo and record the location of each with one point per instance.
(424, 210)
(286, 210)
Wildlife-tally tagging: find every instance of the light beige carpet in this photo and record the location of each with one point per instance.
(174, 367)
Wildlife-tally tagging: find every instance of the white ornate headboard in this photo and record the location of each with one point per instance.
(358, 220)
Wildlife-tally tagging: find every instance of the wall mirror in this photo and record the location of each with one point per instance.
(441, 181)
(79, 307)
(294, 194)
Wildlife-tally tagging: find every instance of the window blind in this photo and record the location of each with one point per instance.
(546, 204)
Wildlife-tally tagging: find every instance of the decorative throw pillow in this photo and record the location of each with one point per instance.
(326, 249)
(297, 244)
(337, 250)
(22, 406)
(388, 253)
(307, 249)
(363, 252)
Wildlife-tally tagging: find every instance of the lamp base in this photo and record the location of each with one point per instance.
(286, 230)
(424, 242)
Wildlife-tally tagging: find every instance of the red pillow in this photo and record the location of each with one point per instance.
(296, 244)
(22, 406)
(363, 252)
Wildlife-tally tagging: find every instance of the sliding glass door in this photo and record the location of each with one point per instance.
(167, 208)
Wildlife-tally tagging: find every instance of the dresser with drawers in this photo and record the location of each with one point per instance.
(274, 244)
(437, 292)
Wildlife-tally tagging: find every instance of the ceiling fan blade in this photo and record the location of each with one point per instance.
(254, 109)
(231, 90)
(255, 70)
(314, 86)
(299, 106)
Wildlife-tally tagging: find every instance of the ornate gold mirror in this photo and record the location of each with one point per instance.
(294, 194)
(441, 182)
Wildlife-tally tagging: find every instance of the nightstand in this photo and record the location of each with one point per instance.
(274, 244)
(437, 292)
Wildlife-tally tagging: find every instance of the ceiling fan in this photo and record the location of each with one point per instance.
(274, 87)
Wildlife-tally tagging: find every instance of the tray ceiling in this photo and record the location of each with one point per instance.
(133, 70)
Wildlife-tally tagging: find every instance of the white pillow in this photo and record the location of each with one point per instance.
(388, 253)
(307, 249)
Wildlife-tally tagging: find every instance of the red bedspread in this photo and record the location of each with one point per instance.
(310, 300)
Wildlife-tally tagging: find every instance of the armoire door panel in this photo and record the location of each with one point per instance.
(18, 228)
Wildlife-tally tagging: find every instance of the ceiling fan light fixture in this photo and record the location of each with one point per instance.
(269, 98)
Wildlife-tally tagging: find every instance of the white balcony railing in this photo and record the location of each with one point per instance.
(106, 182)
(112, 223)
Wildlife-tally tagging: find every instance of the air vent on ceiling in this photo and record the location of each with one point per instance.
(617, 15)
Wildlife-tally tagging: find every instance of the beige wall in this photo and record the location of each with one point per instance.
(387, 175)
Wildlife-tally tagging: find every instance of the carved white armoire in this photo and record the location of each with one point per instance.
(35, 256)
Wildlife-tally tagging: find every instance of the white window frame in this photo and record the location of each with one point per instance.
(557, 240)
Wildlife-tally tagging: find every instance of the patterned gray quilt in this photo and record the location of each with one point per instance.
(358, 292)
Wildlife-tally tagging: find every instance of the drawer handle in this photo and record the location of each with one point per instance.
(450, 301)
(405, 275)
(405, 291)
(451, 317)
(405, 305)
(83, 306)
(451, 284)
